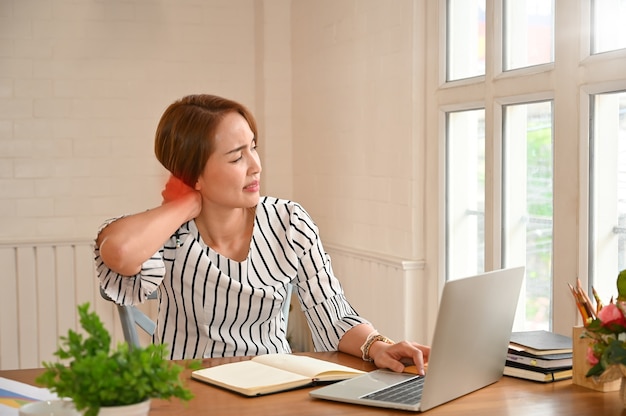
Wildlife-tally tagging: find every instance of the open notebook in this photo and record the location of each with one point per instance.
(469, 348)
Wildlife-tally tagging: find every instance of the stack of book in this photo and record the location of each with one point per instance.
(539, 356)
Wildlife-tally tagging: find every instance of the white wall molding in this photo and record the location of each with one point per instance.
(383, 259)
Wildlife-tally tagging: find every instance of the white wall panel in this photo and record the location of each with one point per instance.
(43, 283)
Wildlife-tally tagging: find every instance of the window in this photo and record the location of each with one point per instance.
(608, 28)
(529, 33)
(548, 139)
(527, 219)
(466, 39)
(607, 229)
(466, 193)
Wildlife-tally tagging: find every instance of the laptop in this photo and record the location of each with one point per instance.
(468, 351)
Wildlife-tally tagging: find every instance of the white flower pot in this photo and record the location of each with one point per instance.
(49, 407)
(138, 409)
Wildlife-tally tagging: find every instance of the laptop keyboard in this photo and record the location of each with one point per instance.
(406, 392)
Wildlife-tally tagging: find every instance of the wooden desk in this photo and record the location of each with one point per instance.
(508, 396)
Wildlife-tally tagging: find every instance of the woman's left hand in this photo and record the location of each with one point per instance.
(395, 356)
(175, 189)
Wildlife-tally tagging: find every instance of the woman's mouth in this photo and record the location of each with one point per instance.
(252, 187)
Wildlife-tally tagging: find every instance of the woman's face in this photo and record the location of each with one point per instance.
(231, 176)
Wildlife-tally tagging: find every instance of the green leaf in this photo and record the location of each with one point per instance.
(596, 370)
(615, 352)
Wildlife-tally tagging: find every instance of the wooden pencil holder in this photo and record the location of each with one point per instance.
(580, 366)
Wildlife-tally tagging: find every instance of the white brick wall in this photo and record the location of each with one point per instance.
(333, 84)
(355, 83)
(82, 85)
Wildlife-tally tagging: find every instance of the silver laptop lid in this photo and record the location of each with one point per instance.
(472, 334)
(469, 346)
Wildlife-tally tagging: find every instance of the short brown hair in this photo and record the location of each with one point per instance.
(186, 132)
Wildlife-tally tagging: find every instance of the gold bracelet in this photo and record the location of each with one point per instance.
(371, 339)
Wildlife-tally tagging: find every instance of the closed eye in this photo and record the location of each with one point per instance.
(253, 147)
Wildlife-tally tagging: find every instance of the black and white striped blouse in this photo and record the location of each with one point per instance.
(212, 306)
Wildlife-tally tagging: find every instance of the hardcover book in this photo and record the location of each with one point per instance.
(541, 342)
(542, 361)
(544, 375)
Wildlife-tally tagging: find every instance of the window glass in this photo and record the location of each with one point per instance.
(608, 25)
(528, 207)
(465, 38)
(607, 230)
(528, 33)
(465, 208)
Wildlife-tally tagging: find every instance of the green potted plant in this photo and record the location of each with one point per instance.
(96, 376)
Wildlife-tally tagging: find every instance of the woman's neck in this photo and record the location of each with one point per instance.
(229, 233)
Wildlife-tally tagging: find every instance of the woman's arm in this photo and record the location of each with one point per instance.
(324, 304)
(129, 241)
(393, 356)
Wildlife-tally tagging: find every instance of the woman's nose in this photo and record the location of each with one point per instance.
(255, 164)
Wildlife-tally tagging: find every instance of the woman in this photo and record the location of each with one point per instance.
(222, 257)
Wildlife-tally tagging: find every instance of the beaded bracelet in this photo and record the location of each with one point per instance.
(371, 339)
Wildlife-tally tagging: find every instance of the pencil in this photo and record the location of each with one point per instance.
(586, 301)
(581, 309)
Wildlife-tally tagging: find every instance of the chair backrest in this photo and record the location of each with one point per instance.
(132, 317)
(287, 305)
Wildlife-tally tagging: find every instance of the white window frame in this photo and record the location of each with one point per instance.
(586, 94)
(568, 82)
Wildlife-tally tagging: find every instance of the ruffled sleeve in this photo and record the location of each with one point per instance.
(325, 306)
(130, 290)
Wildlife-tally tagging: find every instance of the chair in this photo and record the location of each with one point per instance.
(132, 317)
(287, 305)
